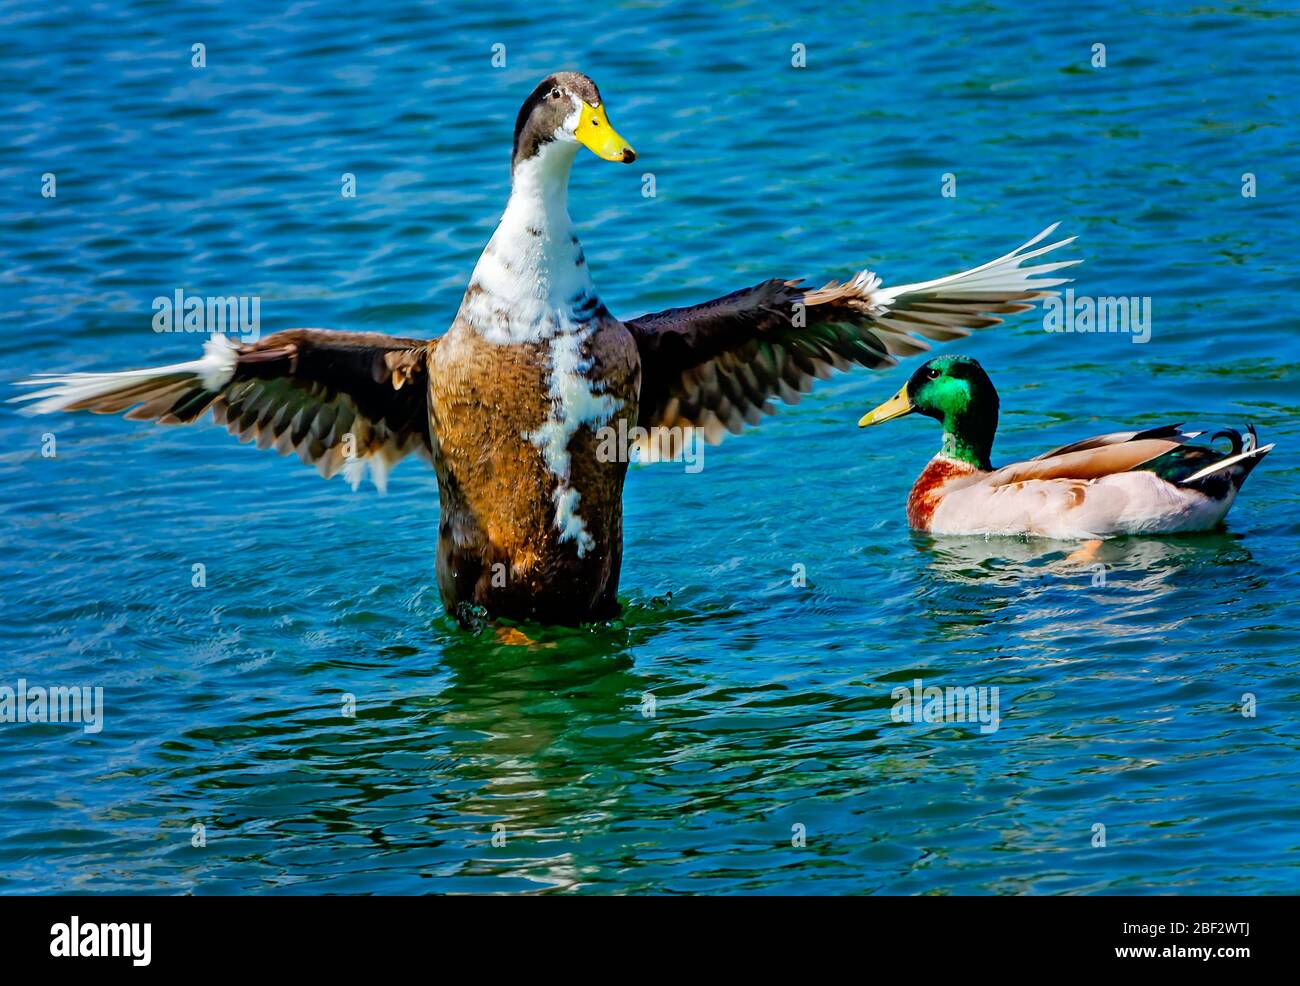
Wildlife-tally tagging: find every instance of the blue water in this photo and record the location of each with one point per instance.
(1120, 703)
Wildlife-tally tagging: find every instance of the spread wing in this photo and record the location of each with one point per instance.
(340, 400)
(716, 366)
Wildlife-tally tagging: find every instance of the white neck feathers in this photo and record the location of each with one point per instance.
(531, 282)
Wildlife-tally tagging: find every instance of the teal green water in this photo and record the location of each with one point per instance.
(1119, 703)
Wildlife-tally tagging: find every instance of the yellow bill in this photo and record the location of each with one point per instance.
(895, 407)
(595, 134)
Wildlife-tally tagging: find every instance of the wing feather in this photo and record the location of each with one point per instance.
(303, 391)
(717, 366)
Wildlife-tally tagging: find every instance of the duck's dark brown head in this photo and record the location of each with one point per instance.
(567, 107)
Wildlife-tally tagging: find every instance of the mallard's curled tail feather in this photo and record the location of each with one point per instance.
(1237, 464)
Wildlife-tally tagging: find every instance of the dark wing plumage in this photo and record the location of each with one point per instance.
(333, 398)
(715, 366)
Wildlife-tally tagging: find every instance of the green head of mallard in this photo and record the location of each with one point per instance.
(567, 107)
(955, 391)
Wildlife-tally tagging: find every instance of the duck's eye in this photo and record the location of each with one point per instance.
(555, 94)
(932, 373)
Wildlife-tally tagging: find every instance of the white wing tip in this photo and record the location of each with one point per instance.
(214, 370)
(1005, 274)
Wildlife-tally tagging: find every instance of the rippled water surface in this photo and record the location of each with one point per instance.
(1120, 703)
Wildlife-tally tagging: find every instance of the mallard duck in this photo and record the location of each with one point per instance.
(1128, 482)
(509, 405)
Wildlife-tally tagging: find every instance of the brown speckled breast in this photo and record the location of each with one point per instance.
(498, 545)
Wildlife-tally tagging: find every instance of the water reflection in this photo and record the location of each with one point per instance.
(1061, 597)
(551, 736)
(1139, 563)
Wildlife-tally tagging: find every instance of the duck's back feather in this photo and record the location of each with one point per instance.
(1174, 433)
(1091, 462)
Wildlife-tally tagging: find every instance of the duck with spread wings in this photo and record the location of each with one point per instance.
(508, 405)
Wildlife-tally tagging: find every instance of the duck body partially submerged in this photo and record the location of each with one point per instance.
(1153, 481)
